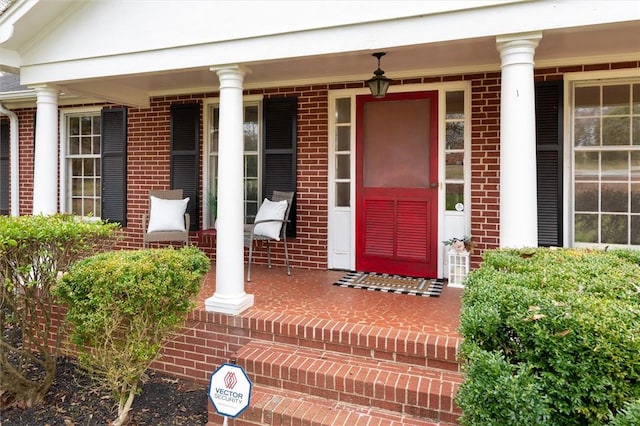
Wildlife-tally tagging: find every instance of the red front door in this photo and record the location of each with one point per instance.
(397, 184)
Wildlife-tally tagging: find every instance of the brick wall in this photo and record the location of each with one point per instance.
(148, 160)
(26, 144)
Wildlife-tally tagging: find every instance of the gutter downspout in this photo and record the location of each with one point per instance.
(13, 160)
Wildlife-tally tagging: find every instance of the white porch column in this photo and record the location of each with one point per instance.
(230, 297)
(45, 163)
(518, 189)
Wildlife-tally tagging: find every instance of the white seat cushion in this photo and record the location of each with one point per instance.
(167, 215)
(270, 210)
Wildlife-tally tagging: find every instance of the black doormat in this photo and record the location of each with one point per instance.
(424, 287)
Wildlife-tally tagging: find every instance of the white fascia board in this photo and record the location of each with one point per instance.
(518, 17)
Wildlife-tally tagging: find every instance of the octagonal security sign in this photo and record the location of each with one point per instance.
(230, 390)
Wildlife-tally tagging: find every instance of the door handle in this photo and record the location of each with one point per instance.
(433, 184)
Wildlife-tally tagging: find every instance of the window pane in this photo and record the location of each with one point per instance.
(74, 146)
(96, 125)
(251, 128)
(213, 129)
(343, 136)
(615, 165)
(76, 187)
(85, 149)
(615, 197)
(343, 110)
(454, 195)
(343, 194)
(251, 166)
(251, 190)
(636, 131)
(635, 230)
(454, 165)
(615, 100)
(635, 198)
(88, 167)
(587, 167)
(635, 165)
(455, 135)
(88, 209)
(614, 229)
(587, 197)
(636, 98)
(343, 166)
(587, 101)
(85, 125)
(615, 130)
(587, 132)
(586, 228)
(87, 187)
(76, 167)
(251, 211)
(74, 126)
(96, 145)
(455, 105)
(76, 206)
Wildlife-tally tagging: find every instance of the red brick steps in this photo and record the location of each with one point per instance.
(314, 372)
(271, 406)
(398, 387)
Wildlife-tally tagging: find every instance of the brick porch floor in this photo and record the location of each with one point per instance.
(320, 354)
(310, 293)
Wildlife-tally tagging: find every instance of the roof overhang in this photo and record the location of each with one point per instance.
(420, 38)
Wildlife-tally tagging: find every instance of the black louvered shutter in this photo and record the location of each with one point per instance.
(185, 157)
(549, 162)
(114, 165)
(4, 168)
(279, 151)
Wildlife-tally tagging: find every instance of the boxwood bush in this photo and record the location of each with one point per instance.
(552, 337)
(34, 251)
(122, 305)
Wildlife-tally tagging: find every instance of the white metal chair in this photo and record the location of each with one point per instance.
(270, 225)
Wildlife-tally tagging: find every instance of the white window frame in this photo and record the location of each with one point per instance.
(207, 179)
(64, 179)
(572, 80)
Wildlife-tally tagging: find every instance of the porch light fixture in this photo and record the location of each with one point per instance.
(378, 84)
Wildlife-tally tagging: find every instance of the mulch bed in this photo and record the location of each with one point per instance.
(73, 400)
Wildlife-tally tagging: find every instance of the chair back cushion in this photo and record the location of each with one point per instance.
(270, 210)
(167, 215)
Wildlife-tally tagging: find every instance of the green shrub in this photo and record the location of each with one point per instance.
(629, 415)
(34, 250)
(123, 305)
(568, 318)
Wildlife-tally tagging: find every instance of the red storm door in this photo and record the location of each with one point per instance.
(397, 184)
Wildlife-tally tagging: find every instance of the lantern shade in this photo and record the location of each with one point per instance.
(378, 84)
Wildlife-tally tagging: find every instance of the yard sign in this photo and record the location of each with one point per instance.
(230, 390)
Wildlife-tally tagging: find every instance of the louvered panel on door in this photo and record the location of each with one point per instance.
(379, 228)
(413, 232)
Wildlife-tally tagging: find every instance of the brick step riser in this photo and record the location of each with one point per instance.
(370, 342)
(401, 388)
